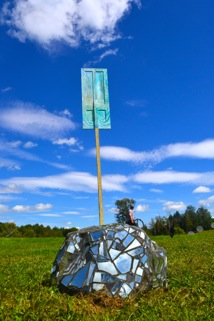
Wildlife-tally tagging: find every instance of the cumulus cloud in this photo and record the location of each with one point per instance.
(18, 143)
(34, 208)
(174, 206)
(207, 202)
(67, 21)
(30, 145)
(72, 141)
(201, 150)
(202, 189)
(141, 208)
(65, 141)
(34, 121)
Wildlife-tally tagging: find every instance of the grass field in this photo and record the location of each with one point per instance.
(26, 293)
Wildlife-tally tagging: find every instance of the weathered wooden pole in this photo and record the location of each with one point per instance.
(96, 114)
(99, 177)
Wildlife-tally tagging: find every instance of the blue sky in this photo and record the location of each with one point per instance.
(160, 148)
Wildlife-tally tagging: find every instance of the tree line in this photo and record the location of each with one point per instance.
(191, 220)
(179, 223)
(37, 230)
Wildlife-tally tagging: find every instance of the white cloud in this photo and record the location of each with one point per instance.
(34, 208)
(29, 145)
(71, 181)
(10, 188)
(72, 141)
(69, 223)
(207, 202)
(136, 103)
(6, 89)
(142, 208)
(202, 150)
(81, 197)
(156, 190)
(9, 164)
(114, 182)
(7, 198)
(169, 177)
(122, 154)
(65, 141)
(202, 189)
(110, 52)
(68, 21)
(19, 153)
(18, 143)
(67, 113)
(34, 121)
(174, 206)
(71, 213)
(6, 148)
(15, 144)
(89, 216)
(86, 182)
(50, 215)
(3, 208)
(113, 210)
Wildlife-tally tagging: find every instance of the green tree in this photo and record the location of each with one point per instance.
(159, 226)
(178, 230)
(176, 219)
(27, 231)
(204, 218)
(123, 209)
(56, 232)
(9, 229)
(65, 231)
(189, 219)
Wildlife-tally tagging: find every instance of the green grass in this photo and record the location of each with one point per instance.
(26, 293)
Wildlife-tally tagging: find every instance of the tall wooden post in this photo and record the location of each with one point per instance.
(99, 177)
(96, 114)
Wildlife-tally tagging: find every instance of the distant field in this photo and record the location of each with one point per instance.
(26, 293)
